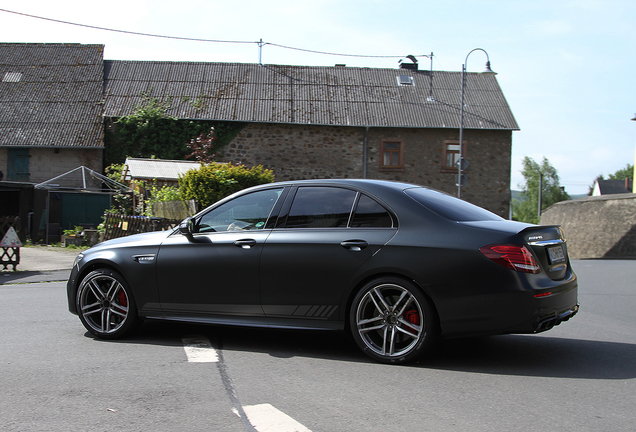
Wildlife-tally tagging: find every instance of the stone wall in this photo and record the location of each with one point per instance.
(297, 152)
(597, 227)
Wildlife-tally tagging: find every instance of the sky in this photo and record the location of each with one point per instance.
(566, 67)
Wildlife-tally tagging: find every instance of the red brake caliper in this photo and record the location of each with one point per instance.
(122, 298)
(413, 317)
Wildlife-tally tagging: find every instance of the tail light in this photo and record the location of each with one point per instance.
(514, 257)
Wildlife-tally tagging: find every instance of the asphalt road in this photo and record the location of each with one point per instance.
(578, 376)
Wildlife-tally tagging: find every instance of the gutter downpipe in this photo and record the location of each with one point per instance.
(364, 152)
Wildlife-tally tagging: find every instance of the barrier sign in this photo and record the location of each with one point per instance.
(11, 239)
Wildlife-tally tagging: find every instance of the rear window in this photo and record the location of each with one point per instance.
(450, 207)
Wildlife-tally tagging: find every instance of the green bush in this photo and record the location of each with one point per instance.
(215, 181)
(149, 131)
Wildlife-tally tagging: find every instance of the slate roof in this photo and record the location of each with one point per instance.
(611, 187)
(160, 169)
(341, 96)
(51, 95)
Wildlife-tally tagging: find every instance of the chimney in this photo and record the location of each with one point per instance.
(410, 66)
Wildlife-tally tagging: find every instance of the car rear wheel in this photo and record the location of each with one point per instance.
(105, 304)
(392, 321)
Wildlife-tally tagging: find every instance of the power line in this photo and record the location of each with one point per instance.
(123, 31)
(259, 43)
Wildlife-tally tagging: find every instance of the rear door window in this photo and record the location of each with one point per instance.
(321, 207)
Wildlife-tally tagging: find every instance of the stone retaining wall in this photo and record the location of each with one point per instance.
(597, 227)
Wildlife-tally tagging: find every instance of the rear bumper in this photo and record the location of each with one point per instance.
(546, 323)
(525, 305)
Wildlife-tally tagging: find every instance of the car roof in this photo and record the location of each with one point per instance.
(370, 184)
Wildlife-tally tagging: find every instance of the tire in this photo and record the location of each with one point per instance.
(392, 321)
(105, 305)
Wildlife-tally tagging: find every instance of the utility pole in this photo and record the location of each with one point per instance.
(540, 192)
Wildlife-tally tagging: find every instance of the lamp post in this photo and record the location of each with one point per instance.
(634, 173)
(460, 163)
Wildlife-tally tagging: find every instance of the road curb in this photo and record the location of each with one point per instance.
(24, 277)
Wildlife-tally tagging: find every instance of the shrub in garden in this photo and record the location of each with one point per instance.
(215, 181)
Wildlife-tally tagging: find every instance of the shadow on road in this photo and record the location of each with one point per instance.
(532, 355)
(523, 355)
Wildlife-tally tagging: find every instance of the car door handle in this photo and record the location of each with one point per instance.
(245, 243)
(354, 245)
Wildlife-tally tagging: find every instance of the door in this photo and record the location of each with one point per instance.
(329, 234)
(216, 269)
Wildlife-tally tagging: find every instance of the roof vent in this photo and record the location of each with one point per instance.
(12, 77)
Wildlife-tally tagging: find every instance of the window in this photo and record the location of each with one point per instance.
(451, 155)
(18, 164)
(246, 212)
(450, 207)
(392, 155)
(405, 80)
(321, 207)
(370, 214)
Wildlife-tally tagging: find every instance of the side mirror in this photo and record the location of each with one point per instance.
(186, 227)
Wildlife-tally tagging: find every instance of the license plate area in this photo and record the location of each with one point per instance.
(556, 254)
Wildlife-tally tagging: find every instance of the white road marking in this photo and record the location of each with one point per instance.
(199, 350)
(263, 417)
(266, 418)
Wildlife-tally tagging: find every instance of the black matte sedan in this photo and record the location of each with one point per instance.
(397, 265)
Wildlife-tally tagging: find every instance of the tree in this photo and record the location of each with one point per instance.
(527, 208)
(203, 147)
(621, 174)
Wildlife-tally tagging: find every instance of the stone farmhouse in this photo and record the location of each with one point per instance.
(300, 121)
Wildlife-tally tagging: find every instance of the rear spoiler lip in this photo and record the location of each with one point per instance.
(538, 227)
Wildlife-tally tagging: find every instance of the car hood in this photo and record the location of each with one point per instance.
(146, 239)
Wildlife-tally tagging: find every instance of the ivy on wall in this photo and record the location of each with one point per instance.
(150, 132)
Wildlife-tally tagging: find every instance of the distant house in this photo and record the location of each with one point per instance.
(611, 187)
(51, 106)
(300, 121)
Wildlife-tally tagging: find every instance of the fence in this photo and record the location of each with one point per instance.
(120, 226)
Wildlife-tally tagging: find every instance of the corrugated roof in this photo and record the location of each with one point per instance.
(159, 169)
(341, 96)
(55, 95)
(58, 99)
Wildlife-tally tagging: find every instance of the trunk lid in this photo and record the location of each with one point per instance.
(548, 245)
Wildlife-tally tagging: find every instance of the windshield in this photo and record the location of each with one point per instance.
(450, 207)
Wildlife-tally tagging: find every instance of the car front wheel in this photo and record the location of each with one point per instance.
(392, 321)
(105, 304)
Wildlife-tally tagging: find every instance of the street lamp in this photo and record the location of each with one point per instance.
(634, 173)
(461, 163)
